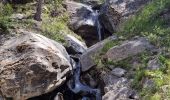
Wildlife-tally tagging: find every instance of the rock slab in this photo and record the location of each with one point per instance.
(128, 49)
(87, 59)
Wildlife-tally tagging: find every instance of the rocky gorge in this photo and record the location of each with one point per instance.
(81, 51)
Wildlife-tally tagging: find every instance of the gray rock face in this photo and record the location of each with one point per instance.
(78, 12)
(74, 45)
(114, 12)
(109, 17)
(87, 59)
(128, 49)
(31, 65)
(117, 88)
(127, 7)
(83, 21)
(119, 72)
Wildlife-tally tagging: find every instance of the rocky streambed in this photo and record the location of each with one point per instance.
(33, 67)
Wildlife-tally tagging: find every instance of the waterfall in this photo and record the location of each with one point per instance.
(75, 84)
(99, 27)
(77, 87)
(93, 20)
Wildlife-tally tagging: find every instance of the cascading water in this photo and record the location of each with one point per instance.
(74, 84)
(77, 87)
(99, 27)
(93, 20)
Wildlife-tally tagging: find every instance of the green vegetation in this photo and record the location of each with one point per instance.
(99, 59)
(110, 44)
(149, 23)
(53, 24)
(5, 12)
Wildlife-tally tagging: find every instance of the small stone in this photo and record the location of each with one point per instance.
(153, 64)
(119, 72)
(148, 83)
(18, 16)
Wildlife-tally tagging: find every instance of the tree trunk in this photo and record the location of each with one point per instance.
(38, 10)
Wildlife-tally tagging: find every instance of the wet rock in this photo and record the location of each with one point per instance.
(87, 60)
(88, 79)
(153, 64)
(83, 21)
(119, 72)
(74, 46)
(32, 65)
(114, 12)
(128, 49)
(78, 12)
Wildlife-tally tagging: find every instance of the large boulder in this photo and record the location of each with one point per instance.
(83, 21)
(114, 12)
(78, 12)
(87, 59)
(128, 49)
(31, 65)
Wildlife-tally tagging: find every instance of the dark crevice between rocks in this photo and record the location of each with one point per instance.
(91, 37)
(67, 94)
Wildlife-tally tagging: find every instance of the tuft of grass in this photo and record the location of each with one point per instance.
(109, 45)
(54, 29)
(5, 12)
